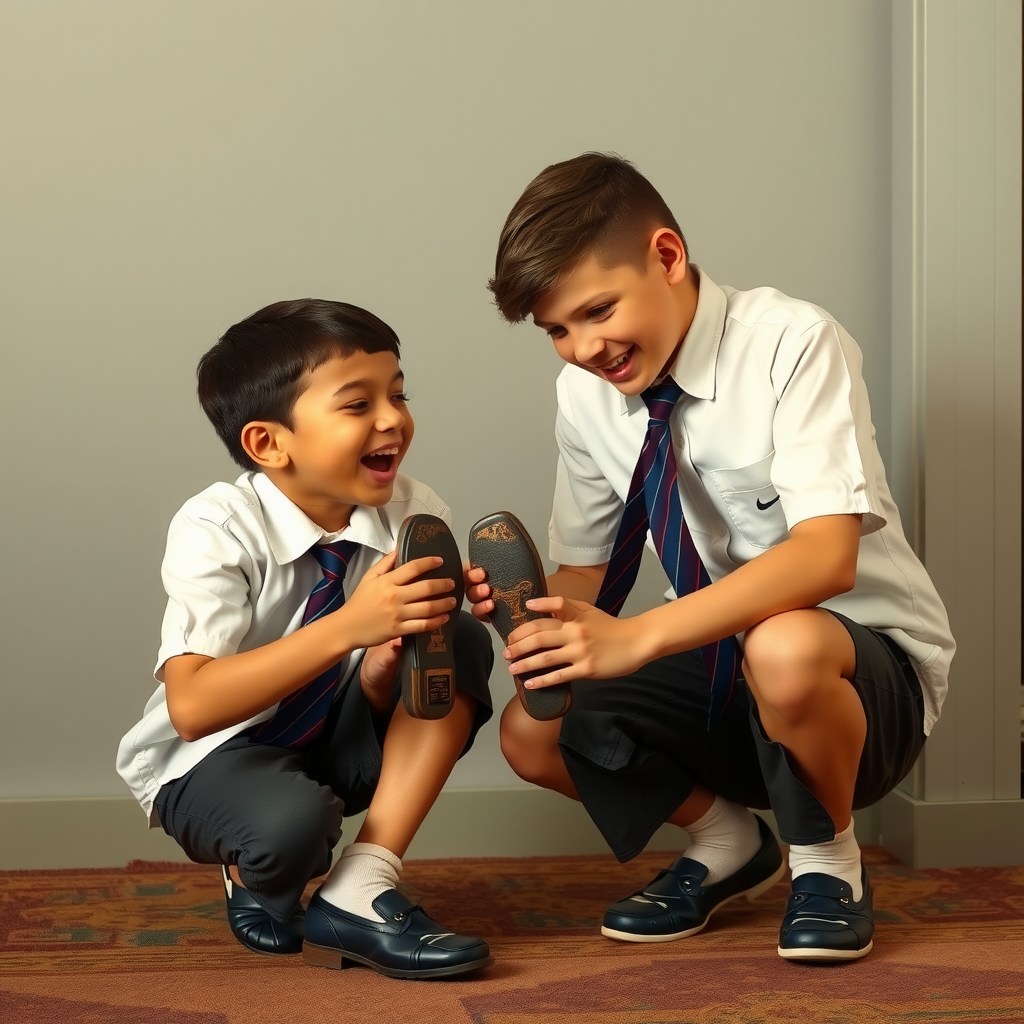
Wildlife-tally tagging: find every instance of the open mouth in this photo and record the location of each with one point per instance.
(620, 368)
(381, 461)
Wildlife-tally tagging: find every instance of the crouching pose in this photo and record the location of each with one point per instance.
(803, 659)
(278, 706)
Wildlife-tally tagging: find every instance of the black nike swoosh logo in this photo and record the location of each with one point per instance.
(770, 503)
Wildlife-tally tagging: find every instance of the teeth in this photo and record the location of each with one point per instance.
(618, 362)
(386, 451)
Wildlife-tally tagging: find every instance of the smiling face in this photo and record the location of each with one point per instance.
(623, 324)
(350, 431)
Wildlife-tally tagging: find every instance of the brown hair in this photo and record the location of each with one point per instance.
(596, 204)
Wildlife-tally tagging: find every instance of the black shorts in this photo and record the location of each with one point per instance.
(276, 812)
(635, 747)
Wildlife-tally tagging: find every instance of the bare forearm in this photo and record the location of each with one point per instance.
(578, 583)
(206, 695)
(813, 565)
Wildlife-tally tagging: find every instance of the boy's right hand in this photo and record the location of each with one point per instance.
(390, 602)
(478, 590)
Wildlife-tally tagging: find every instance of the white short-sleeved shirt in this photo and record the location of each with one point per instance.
(238, 577)
(773, 428)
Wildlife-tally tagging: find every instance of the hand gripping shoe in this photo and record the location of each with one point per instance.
(427, 665)
(255, 928)
(676, 904)
(824, 923)
(500, 544)
(406, 944)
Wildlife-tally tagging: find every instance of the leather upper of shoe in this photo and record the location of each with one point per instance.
(677, 899)
(255, 928)
(822, 914)
(407, 939)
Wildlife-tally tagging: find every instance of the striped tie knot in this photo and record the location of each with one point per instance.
(329, 595)
(334, 558)
(661, 400)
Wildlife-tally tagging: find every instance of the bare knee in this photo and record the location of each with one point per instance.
(791, 660)
(529, 746)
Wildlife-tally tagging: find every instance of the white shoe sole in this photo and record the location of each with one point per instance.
(824, 955)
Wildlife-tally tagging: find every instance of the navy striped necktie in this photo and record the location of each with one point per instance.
(653, 503)
(300, 717)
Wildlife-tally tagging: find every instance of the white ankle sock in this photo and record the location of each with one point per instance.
(361, 874)
(839, 857)
(723, 839)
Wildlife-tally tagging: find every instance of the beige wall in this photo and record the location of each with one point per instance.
(168, 168)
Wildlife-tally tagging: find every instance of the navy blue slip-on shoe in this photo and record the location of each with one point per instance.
(406, 944)
(255, 928)
(824, 923)
(676, 904)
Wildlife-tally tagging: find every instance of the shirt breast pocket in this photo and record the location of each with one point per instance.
(752, 502)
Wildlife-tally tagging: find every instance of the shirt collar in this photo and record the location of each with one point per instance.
(693, 368)
(291, 533)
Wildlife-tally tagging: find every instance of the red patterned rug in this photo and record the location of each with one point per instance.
(147, 944)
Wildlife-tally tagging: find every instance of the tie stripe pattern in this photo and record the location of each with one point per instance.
(300, 717)
(653, 504)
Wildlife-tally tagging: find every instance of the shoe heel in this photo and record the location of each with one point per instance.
(428, 692)
(321, 956)
(762, 887)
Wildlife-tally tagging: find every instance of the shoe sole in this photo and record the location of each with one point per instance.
(750, 894)
(340, 959)
(427, 665)
(822, 955)
(500, 545)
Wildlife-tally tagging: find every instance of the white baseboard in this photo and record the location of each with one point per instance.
(507, 822)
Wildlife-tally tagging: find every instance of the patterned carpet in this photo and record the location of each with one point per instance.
(148, 945)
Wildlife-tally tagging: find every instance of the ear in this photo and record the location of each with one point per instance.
(668, 251)
(266, 444)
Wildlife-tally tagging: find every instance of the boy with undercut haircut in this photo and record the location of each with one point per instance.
(804, 658)
(279, 699)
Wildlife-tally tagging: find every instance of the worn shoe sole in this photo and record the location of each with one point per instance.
(499, 544)
(339, 959)
(750, 894)
(427, 665)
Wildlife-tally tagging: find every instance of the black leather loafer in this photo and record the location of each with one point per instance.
(824, 923)
(676, 904)
(406, 944)
(255, 928)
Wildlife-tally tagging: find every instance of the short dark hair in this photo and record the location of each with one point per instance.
(596, 204)
(258, 369)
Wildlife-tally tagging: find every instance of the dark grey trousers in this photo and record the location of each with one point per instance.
(277, 812)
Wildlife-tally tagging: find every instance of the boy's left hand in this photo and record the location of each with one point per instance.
(585, 642)
(377, 674)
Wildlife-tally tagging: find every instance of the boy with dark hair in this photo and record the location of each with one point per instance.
(261, 733)
(804, 658)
